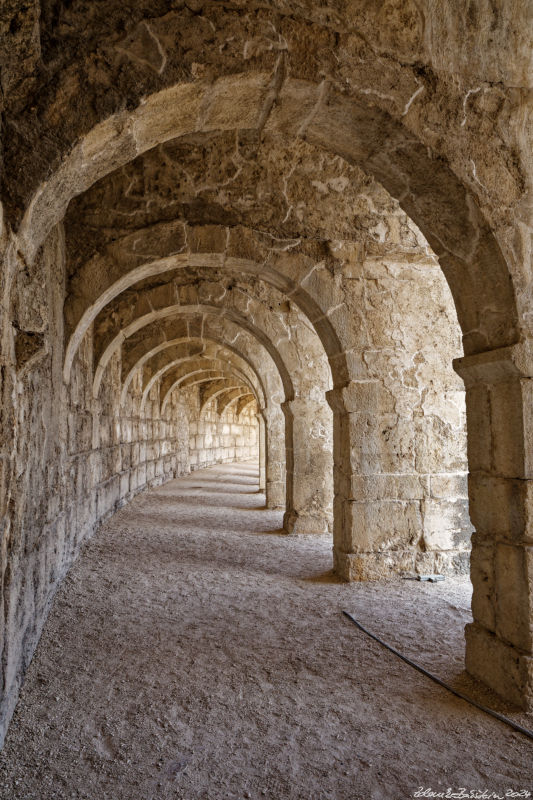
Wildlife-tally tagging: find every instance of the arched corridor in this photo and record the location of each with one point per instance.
(280, 232)
(195, 651)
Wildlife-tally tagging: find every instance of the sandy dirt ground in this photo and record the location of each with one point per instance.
(194, 651)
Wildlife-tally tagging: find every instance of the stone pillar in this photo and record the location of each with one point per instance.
(309, 466)
(261, 441)
(274, 430)
(377, 515)
(499, 400)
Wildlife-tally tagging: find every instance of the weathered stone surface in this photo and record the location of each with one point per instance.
(211, 210)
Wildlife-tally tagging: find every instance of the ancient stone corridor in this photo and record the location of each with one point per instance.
(294, 236)
(197, 651)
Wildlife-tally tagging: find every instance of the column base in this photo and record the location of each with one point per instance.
(378, 566)
(306, 523)
(500, 666)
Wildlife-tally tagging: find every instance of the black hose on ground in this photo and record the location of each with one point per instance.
(434, 678)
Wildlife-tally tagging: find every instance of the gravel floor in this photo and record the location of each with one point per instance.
(194, 651)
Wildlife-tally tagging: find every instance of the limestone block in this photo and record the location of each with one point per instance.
(107, 496)
(141, 475)
(94, 471)
(294, 103)
(167, 114)
(125, 456)
(373, 566)
(364, 396)
(449, 486)
(438, 446)
(275, 494)
(382, 443)
(152, 450)
(513, 574)
(501, 507)
(482, 577)
(117, 432)
(126, 431)
(452, 562)
(388, 487)
(318, 284)
(79, 432)
(508, 402)
(425, 563)
(478, 415)
(125, 484)
(307, 522)
(382, 525)
(235, 102)
(446, 524)
(508, 671)
(106, 431)
(150, 471)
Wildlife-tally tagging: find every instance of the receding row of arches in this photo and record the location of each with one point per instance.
(259, 265)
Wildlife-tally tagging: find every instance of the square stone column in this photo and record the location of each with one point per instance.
(275, 471)
(377, 513)
(261, 439)
(309, 466)
(499, 397)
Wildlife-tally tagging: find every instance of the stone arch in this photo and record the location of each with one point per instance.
(239, 347)
(308, 506)
(90, 294)
(325, 294)
(497, 366)
(169, 354)
(401, 102)
(426, 188)
(187, 373)
(221, 388)
(177, 350)
(243, 404)
(203, 377)
(241, 304)
(231, 396)
(308, 476)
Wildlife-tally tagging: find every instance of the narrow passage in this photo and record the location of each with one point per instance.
(195, 651)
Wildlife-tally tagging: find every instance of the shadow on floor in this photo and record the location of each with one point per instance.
(324, 577)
